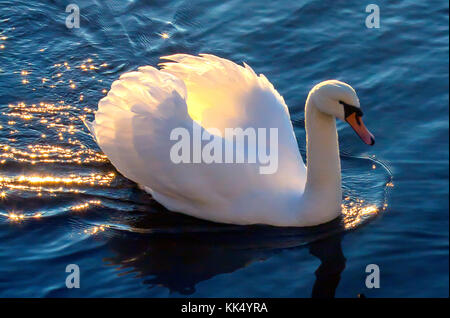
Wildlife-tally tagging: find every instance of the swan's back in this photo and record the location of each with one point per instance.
(134, 122)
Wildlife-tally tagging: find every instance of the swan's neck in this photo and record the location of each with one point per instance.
(323, 184)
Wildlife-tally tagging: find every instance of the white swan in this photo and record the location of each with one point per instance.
(134, 122)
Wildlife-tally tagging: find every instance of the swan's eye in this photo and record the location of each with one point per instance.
(350, 109)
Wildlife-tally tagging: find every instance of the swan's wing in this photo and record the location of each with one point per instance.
(133, 128)
(133, 125)
(222, 94)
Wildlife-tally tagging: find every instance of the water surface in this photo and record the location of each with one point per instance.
(62, 202)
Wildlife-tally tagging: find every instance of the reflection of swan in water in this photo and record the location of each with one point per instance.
(328, 275)
(199, 250)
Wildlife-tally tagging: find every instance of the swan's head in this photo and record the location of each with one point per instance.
(340, 100)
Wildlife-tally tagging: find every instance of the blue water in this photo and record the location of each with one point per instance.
(62, 202)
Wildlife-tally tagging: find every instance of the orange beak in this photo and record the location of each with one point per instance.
(358, 126)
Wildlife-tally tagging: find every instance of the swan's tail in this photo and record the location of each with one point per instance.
(90, 127)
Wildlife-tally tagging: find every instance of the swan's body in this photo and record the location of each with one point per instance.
(134, 122)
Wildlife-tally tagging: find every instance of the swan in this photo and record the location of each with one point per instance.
(207, 95)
